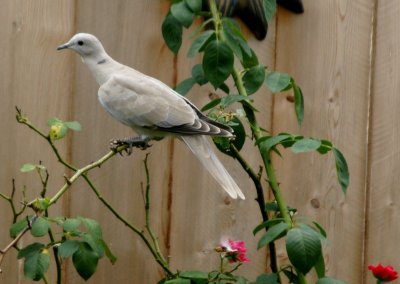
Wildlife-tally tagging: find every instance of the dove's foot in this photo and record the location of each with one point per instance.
(137, 141)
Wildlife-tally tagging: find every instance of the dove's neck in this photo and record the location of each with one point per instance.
(102, 66)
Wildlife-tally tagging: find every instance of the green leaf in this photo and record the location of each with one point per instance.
(249, 61)
(85, 260)
(198, 74)
(73, 125)
(253, 79)
(178, 281)
(320, 229)
(217, 62)
(222, 143)
(108, 252)
(341, 169)
(68, 248)
(54, 121)
(200, 42)
(40, 227)
(211, 104)
(184, 87)
(235, 37)
(327, 280)
(231, 99)
(197, 277)
(325, 147)
(306, 145)
(94, 243)
(172, 33)
(320, 266)
(268, 142)
(277, 82)
(272, 234)
(93, 227)
(271, 278)
(27, 167)
(303, 249)
(30, 250)
(298, 102)
(41, 204)
(36, 265)
(267, 224)
(182, 13)
(194, 5)
(71, 224)
(18, 227)
(269, 9)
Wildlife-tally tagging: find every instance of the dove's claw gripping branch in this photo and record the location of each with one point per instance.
(137, 141)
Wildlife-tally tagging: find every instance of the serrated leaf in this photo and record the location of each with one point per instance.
(320, 266)
(269, 9)
(194, 5)
(30, 249)
(68, 248)
(178, 281)
(231, 99)
(198, 74)
(298, 102)
(234, 37)
(341, 169)
(28, 167)
(272, 234)
(305, 145)
(327, 280)
(93, 227)
(277, 82)
(197, 277)
(217, 62)
(271, 278)
(184, 87)
(182, 13)
(53, 121)
(108, 252)
(73, 125)
(200, 42)
(40, 227)
(36, 265)
(172, 33)
(71, 224)
(303, 249)
(211, 104)
(85, 260)
(249, 61)
(94, 243)
(253, 79)
(271, 141)
(18, 227)
(325, 147)
(267, 224)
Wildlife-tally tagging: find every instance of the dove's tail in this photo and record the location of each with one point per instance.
(200, 146)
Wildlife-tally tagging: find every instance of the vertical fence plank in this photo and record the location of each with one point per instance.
(327, 50)
(30, 78)
(131, 33)
(383, 229)
(202, 214)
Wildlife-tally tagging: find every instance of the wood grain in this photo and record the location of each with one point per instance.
(327, 51)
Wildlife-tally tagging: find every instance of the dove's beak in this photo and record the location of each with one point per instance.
(64, 46)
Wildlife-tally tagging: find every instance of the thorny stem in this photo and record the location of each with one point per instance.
(83, 172)
(256, 131)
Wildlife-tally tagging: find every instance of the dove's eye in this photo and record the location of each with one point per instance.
(80, 42)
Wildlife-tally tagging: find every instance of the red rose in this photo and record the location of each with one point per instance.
(385, 274)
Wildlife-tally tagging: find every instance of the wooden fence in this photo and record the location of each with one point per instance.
(345, 56)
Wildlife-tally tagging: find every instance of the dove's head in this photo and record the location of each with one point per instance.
(85, 45)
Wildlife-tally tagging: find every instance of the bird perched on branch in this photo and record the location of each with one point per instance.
(151, 108)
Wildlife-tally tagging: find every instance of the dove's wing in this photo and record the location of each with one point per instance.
(140, 101)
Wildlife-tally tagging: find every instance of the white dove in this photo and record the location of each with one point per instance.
(151, 108)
